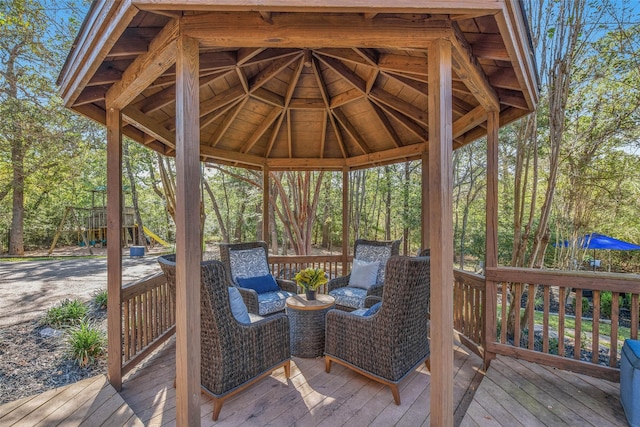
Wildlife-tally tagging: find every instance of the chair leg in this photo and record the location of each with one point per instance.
(217, 406)
(327, 364)
(395, 392)
(287, 369)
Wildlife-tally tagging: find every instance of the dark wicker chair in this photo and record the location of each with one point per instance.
(262, 304)
(234, 355)
(388, 345)
(366, 250)
(168, 266)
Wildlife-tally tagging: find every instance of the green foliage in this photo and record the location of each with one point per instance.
(68, 313)
(86, 343)
(100, 299)
(585, 305)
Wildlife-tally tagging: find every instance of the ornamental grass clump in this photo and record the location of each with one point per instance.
(310, 279)
(68, 313)
(100, 299)
(86, 343)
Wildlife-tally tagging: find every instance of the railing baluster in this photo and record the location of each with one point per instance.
(615, 312)
(531, 297)
(545, 319)
(517, 301)
(561, 307)
(634, 316)
(578, 330)
(505, 303)
(595, 334)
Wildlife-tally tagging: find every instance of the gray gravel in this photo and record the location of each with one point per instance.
(28, 289)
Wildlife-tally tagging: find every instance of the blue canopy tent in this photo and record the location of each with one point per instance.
(600, 241)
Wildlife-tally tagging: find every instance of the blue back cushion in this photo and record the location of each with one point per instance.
(260, 284)
(373, 309)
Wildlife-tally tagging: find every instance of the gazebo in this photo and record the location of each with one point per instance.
(298, 85)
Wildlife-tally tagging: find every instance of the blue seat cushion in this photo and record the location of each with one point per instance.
(631, 349)
(260, 284)
(373, 309)
(272, 302)
(360, 312)
(349, 296)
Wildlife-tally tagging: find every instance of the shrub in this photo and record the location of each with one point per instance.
(68, 313)
(585, 305)
(606, 300)
(86, 343)
(100, 299)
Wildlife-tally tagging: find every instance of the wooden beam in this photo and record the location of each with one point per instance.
(338, 134)
(269, 97)
(416, 86)
(386, 124)
(469, 71)
(262, 128)
(245, 54)
(91, 95)
(271, 71)
(512, 98)
(408, 124)
(188, 249)
(149, 126)
(274, 135)
(346, 97)
(441, 232)
(232, 156)
(401, 106)
(229, 118)
(405, 152)
(114, 250)
(206, 120)
(234, 29)
(345, 73)
(265, 203)
(488, 46)
(403, 63)
(146, 68)
(425, 235)
(471, 120)
(310, 163)
(343, 54)
(351, 130)
(346, 226)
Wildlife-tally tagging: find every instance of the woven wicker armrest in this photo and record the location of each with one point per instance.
(338, 282)
(371, 300)
(250, 298)
(287, 285)
(375, 290)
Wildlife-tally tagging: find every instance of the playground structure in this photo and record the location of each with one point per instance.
(90, 224)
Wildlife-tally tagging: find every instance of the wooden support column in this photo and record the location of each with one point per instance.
(265, 203)
(491, 257)
(188, 249)
(345, 219)
(114, 248)
(441, 232)
(425, 240)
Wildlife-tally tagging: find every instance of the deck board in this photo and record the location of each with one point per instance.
(311, 397)
(515, 392)
(81, 403)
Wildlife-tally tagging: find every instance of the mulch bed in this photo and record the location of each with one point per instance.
(32, 364)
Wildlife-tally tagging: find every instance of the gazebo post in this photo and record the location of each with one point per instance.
(114, 247)
(188, 248)
(265, 203)
(345, 219)
(441, 230)
(425, 238)
(491, 257)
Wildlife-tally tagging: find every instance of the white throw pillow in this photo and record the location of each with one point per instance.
(364, 274)
(238, 308)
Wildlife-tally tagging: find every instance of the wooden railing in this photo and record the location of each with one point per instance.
(148, 318)
(286, 267)
(468, 313)
(585, 342)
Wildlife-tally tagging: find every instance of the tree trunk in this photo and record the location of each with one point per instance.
(16, 238)
(134, 195)
(216, 210)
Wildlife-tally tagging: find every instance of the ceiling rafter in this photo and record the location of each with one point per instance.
(351, 130)
(148, 125)
(262, 128)
(343, 71)
(405, 121)
(347, 55)
(220, 100)
(245, 54)
(208, 119)
(274, 134)
(370, 56)
(386, 124)
(400, 105)
(226, 122)
(323, 134)
(271, 71)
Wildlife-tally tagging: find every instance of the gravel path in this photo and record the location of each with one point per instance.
(28, 289)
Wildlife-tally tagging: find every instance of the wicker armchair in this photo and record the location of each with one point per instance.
(391, 343)
(350, 298)
(168, 267)
(250, 259)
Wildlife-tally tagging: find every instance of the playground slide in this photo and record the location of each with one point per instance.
(155, 237)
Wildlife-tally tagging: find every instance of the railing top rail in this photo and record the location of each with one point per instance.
(470, 278)
(617, 282)
(142, 285)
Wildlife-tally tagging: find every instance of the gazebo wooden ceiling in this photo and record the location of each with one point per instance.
(294, 85)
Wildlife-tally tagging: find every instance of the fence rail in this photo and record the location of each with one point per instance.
(571, 320)
(286, 267)
(148, 318)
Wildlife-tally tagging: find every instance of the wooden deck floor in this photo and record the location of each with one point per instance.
(512, 393)
(89, 402)
(310, 398)
(518, 393)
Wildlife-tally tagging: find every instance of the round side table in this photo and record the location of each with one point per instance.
(307, 323)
